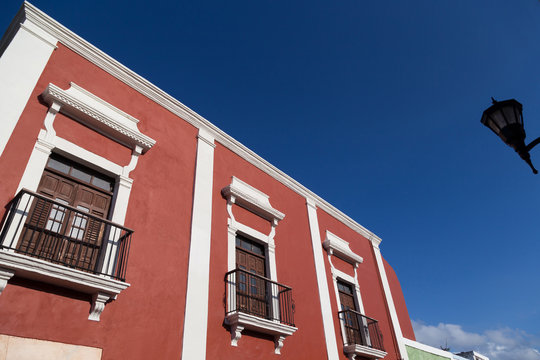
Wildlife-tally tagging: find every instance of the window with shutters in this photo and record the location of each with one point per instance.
(361, 334)
(251, 288)
(65, 226)
(68, 231)
(351, 317)
(254, 299)
(61, 234)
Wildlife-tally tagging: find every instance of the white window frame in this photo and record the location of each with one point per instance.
(336, 246)
(101, 116)
(244, 195)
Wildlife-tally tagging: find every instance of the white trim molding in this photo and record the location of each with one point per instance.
(98, 114)
(152, 92)
(335, 246)
(252, 199)
(322, 283)
(239, 321)
(44, 271)
(102, 288)
(339, 247)
(390, 303)
(25, 51)
(244, 195)
(198, 277)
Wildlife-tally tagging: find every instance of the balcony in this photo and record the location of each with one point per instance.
(46, 240)
(259, 304)
(361, 335)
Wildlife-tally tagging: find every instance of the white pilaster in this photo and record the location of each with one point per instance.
(322, 283)
(196, 313)
(21, 65)
(36, 164)
(390, 301)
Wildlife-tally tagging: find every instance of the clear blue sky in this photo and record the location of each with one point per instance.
(375, 106)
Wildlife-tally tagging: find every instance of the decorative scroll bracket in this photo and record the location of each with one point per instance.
(98, 305)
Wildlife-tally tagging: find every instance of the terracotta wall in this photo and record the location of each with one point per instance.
(294, 262)
(146, 319)
(369, 281)
(399, 302)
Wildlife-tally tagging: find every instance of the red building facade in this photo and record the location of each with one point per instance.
(134, 228)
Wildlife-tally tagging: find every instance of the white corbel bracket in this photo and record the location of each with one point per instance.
(98, 114)
(5, 275)
(246, 196)
(98, 305)
(101, 288)
(334, 245)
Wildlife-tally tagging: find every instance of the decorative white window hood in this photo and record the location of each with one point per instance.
(248, 197)
(98, 114)
(334, 245)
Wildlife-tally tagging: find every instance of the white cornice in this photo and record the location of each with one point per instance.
(143, 86)
(98, 114)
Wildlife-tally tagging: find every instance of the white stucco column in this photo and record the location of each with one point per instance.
(21, 65)
(322, 283)
(196, 313)
(389, 300)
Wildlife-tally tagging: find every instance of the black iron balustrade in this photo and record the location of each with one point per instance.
(256, 295)
(47, 229)
(361, 330)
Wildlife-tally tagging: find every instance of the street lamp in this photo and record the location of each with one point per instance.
(505, 119)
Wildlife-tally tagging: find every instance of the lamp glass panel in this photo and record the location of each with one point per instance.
(511, 116)
(498, 118)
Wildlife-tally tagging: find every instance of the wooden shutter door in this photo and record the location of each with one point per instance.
(352, 322)
(46, 222)
(86, 233)
(251, 290)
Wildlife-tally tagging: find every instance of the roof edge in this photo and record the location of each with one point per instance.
(151, 91)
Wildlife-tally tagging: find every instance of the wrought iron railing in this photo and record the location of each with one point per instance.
(361, 330)
(37, 226)
(256, 295)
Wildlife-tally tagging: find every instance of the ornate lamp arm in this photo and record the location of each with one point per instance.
(533, 144)
(524, 153)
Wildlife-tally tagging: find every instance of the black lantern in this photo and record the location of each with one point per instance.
(505, 119)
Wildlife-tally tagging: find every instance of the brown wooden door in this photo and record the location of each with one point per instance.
(85, 233)
(58, 234)
(251, 289)
(352, 322)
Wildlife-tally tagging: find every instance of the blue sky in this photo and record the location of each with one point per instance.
(375, 106)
